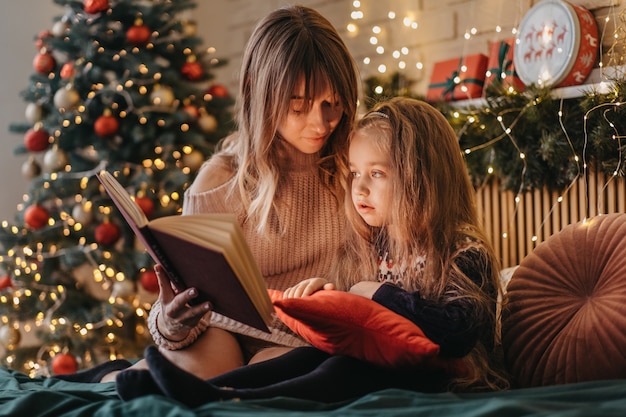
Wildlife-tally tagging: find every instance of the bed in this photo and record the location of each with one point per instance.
(39, 397)
(564, 338)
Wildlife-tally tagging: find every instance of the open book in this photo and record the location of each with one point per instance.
(205, 251)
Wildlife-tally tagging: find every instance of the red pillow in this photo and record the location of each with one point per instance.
(342, 323)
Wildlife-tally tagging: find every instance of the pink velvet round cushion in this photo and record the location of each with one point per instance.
(564, 320)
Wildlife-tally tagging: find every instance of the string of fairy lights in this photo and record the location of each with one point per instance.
(468, 109)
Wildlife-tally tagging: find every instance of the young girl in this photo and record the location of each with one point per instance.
(415, 244)
(297, 102)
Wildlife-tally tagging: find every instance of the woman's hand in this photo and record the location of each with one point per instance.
(177, 316)
(308, 287)
(365, 288)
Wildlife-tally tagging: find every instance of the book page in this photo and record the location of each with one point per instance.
(122, 198)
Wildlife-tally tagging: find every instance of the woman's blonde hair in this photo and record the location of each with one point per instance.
(433, 210)
(290, 44)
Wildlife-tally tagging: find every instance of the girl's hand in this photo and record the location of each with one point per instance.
(177, 317)
(365, 288)
(307, 287)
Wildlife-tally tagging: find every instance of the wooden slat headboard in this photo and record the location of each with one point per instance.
(517, 223)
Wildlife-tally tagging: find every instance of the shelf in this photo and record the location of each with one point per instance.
(599, 80)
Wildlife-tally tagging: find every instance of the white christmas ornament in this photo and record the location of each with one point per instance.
(207, 122)
(123, 289)
(193, 160)
(33, 112)
(30, 168)
(162, 96)
(54, 160)
(82, 214)
(9, 337)
(61, 57)
(59, 28)
(66, 98)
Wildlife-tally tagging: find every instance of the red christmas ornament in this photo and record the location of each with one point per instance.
(36, 216)
(42, 38)
(64, 363)
(192, 70)
(149, 281)
(95, 6)
(5, 282)
(107, 233)
(36, 140)
(67, 70)
(146, 205)
(139, 34)
(43, 63)
(218, 90)
(192, 111)
(106, 125)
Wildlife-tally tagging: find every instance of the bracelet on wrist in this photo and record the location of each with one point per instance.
(162, 341)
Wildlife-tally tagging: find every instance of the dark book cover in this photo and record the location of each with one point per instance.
(203, 266)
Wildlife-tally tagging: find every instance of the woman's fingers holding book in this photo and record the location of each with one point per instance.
(166, 291)
(177, 317)
(179, 307)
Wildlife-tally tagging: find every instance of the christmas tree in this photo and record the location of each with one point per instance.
(122, 86)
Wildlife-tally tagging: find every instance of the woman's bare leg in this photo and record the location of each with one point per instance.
(110, 377)
(216, 351)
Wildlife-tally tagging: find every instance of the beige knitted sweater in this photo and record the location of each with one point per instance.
(313, 229)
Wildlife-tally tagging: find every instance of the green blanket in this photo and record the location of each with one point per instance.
(41, 397)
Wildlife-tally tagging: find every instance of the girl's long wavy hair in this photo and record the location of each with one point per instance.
(433, 210)
(290, 44)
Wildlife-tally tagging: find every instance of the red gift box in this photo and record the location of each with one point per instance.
(500, 65)
(458, 78)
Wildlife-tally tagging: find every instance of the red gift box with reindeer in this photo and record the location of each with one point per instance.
(500, 67)
(458, 78)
